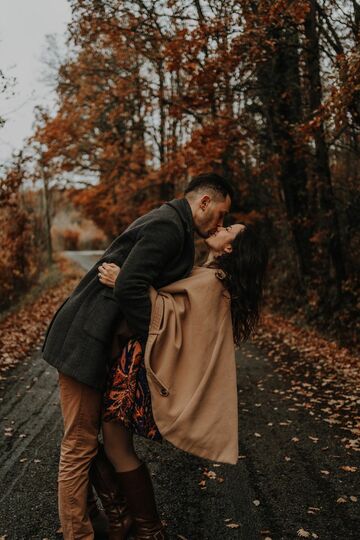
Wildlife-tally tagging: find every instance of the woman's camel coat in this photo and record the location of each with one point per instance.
(190, 367)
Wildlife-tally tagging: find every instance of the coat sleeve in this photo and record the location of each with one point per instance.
(158, 243)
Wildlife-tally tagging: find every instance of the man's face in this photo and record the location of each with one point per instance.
(210, 213)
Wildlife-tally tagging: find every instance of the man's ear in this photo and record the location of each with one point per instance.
(204, 201)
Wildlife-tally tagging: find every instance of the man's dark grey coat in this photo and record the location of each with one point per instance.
(156, 249)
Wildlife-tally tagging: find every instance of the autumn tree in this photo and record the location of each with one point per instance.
(266, 93)
(21, 238)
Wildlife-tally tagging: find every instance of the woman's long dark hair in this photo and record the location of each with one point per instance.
(243, 272)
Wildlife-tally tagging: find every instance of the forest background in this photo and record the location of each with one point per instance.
(151, 93)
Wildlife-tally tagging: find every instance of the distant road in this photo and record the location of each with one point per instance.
(85, 259)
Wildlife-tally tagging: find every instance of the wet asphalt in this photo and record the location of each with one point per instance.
(288, 482)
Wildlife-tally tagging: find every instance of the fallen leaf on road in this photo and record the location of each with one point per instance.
(256, 502)
(257, 434)
(342, 500)
(325, 472)
(353, 498)
(233, 525)
(210, 474)
(347, 468)
(303, 533)
(313, 510)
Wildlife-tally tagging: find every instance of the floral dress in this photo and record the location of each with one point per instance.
(127, 397)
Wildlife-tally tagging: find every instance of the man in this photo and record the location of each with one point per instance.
(156, 249)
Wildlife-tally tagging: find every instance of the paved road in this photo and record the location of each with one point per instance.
(276, 489)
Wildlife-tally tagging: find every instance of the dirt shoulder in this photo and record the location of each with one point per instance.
(22, 327)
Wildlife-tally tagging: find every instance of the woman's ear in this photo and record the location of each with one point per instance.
(228, 248)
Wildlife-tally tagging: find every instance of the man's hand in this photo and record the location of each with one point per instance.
(108, 272)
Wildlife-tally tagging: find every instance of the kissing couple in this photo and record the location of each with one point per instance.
(145, 344)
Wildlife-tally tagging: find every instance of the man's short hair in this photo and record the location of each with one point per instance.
(212, 181)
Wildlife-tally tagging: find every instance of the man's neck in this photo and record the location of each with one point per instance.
(192, 206)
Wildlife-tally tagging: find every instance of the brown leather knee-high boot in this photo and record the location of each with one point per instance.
(97, 517)
(103, 478)
(138, 489)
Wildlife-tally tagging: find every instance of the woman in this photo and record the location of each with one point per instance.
(184, 383)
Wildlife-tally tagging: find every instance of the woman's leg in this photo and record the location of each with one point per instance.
(119, 446)
(134, 481)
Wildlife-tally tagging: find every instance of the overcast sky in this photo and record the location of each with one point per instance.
(23, 27)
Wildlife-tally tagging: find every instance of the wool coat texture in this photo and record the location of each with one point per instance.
(155, 250)
(190, 366)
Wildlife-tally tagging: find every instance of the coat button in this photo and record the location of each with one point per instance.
(164, 392)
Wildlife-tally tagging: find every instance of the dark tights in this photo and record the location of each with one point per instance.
(119, 446)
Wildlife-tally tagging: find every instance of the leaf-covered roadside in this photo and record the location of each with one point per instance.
(22, 330)
(324, 376)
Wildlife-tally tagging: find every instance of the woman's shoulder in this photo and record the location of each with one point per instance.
(203, 290)
(206, 274)
(199, 278)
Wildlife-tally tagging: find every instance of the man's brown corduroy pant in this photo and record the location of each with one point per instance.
(81, 409)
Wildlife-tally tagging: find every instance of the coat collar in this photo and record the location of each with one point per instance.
(182, 207)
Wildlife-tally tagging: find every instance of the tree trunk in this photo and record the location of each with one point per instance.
(280, 93)
(46, 192)
(328, 223)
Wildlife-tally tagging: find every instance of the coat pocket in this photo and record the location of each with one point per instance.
(102, 317)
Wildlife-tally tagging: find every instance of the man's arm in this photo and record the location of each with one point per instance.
(158, 243)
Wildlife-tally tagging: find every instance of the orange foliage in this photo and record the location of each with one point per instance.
(21, 242)
(150, 97)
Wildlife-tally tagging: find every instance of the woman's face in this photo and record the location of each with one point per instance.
(221, 240)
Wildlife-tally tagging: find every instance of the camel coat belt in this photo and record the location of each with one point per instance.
(190, 366)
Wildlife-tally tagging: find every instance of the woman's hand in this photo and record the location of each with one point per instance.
(108, 272)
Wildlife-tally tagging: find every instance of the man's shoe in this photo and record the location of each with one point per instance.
(138, 489)
(103, 478)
